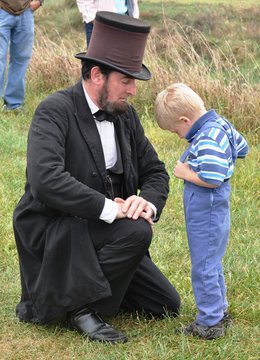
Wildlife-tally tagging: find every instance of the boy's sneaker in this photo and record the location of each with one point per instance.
(204, 332)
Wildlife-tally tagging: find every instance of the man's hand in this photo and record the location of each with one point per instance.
(120, 202)
(35, 4)
(133, 208)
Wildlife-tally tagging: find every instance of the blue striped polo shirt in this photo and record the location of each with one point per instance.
(214, 149)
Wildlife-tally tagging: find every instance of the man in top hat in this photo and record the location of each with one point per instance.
(94, 188)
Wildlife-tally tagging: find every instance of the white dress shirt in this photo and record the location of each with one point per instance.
(107, 135)
(106, 131)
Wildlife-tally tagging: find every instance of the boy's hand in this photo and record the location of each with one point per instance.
(181, 170)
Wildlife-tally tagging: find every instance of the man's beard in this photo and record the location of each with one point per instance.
(112, 108)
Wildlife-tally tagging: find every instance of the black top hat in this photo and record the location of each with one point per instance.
(118, 41)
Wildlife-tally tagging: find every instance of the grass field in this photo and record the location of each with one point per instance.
(233, 88)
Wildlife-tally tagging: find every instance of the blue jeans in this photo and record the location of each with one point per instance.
(207, 223)
(17, 35)
(88, 29)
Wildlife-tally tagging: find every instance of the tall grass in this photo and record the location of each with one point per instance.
(174, 54)
(182, 54)
(53, 64)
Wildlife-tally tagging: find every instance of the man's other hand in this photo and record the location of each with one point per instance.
(133, 208)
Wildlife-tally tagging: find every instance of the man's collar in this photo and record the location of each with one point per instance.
(93, 107)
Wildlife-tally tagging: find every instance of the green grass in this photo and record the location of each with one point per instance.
(234, 24)
(149, 339)
(228, 26)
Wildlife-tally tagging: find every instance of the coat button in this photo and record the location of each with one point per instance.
(94, 174)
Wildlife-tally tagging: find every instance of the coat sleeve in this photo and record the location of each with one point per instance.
(153, 179)
(49, 181)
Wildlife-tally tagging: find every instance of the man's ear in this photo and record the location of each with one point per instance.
(96, 75)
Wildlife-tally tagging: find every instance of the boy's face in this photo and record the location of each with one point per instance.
(180, 126)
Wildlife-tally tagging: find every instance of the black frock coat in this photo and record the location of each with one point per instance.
(65, 186)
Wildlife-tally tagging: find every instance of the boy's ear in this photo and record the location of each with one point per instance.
(185, 119)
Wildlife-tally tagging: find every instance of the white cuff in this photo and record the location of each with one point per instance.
(109, 211)
(154, 211)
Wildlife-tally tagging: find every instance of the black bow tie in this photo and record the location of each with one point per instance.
(101, 115)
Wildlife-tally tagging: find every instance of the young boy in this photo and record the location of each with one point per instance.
(211, 155)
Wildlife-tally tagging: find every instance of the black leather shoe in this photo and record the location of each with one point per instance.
(90, 324)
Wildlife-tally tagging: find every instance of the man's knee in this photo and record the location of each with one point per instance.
(173, 304)
(137, 233)
(169, 305)
(141, 229)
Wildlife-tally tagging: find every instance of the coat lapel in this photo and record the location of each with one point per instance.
(88, 128)
(122, 127)
(90, 133)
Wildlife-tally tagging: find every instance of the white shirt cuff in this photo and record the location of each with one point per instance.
(109, 211)
(154, 211)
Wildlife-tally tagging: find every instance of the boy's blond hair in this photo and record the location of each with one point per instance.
(175, 101)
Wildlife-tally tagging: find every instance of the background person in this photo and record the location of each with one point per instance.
(17, 35)
(93, 189)
(214, 147)
(89, 8)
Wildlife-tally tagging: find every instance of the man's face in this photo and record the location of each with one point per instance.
(115, 91)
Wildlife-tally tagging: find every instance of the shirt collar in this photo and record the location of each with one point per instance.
(93, 107)
(209, 115)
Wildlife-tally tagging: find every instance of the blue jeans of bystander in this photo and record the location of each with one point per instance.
(89, 29)
(17, 35)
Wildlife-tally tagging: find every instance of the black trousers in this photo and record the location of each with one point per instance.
(136, 282)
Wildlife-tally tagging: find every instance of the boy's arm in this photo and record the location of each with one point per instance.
(242, 146)
(183, 171)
